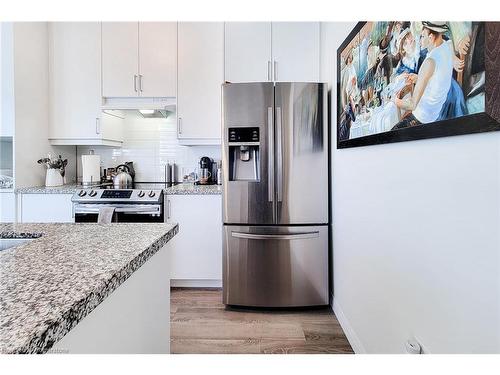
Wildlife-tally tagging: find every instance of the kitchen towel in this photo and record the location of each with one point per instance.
(105, 215)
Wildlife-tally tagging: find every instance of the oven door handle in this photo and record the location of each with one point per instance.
(144, 209)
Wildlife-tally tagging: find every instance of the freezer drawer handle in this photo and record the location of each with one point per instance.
(291, 236)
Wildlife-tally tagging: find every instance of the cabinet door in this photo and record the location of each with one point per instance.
(196, 251)
(296, 51)
(75, 80)
(247, 51)
(158, 59)
(200, 76)
(46, 208)
(8, 207)
(120, 59)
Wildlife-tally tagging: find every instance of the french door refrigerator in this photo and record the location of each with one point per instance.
(275, 194)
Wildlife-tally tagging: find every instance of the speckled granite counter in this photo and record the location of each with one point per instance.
(65, 189)
(183, 189)
(190, 189)
(51, 283)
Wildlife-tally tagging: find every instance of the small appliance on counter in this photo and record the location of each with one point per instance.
(206, 172)
(91, 169)
(170, 173)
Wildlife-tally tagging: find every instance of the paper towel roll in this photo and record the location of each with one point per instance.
(91, 169)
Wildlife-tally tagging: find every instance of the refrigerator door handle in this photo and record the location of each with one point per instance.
(270, 159)
(290, 236)
(279, 153)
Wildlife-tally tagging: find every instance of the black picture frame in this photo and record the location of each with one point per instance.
(486, 121)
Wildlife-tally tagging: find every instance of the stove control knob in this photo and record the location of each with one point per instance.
(151, 194)
(82, 193)
(141, 194)
(93, 193)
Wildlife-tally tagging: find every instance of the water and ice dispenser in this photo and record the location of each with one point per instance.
(244, 154)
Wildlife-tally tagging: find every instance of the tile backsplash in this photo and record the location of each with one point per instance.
(150, 143)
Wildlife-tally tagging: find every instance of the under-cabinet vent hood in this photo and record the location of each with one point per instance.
(160, 104)
(154, 113)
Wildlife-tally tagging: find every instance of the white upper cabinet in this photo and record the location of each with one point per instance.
(139, 59)
(75, 116)
(248, 52)
(296, 51)
(158, 59)
(200, 75)
(120, 59)
(278, 51)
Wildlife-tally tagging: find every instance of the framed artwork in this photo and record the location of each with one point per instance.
(401, 81)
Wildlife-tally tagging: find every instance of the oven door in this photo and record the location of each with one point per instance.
(124, 213)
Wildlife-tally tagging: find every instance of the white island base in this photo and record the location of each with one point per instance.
(135, 318)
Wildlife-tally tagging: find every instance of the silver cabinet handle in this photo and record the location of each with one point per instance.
(275, 70)
(270, 158)
(169, 211)
(140, 82)
(97, 125)
(269, 68)
(179, 125)
(289, 236)
(135, 82)
(279, 153)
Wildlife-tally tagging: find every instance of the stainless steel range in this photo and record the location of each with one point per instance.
(143, 203)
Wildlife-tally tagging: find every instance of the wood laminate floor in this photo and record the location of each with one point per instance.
(201, 324)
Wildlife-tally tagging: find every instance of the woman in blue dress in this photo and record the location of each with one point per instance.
(412, 57)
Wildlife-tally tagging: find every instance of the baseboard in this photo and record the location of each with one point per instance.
(195, 283)
(348, 330)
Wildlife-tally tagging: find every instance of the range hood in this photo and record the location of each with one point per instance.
(154, 113)
(161, 107)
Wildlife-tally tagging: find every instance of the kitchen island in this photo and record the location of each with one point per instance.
(85, 288)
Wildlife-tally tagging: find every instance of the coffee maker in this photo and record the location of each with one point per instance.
(206, 173)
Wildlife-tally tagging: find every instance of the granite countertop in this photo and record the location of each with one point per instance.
(191, 189)
(49, 284)
(64, 189)
(179, 189)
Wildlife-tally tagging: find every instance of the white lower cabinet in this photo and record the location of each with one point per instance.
(45, 208)
(196, 251)
(7, 207)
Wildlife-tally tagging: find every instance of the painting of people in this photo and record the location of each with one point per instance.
(399, 75)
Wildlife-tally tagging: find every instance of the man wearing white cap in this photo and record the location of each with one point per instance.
(434, 78)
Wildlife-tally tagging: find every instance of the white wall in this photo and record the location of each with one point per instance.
(6, 82)
(31, 105)
(415, 237)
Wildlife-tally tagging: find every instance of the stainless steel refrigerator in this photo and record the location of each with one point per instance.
(275, 194)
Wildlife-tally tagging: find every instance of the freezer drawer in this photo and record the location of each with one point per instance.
(271, 266)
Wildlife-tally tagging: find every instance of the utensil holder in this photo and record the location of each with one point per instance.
(53, 178)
